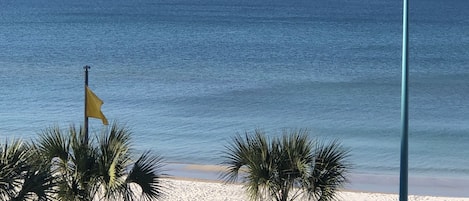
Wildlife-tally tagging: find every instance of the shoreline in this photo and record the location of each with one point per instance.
(358, 182)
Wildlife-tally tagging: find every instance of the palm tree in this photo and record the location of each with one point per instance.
(22, 176)
(101, 169)
(286, 167)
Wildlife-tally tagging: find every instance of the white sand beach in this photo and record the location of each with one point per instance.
(198, 190)
(190, 182)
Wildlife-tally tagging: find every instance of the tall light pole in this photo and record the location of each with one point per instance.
(403, 185)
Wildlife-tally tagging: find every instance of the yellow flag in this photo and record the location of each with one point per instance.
(93, 106)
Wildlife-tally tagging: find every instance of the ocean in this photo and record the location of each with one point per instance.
(185, 76)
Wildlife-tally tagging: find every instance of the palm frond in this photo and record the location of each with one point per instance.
(330, 169)
(13, 161)
(81, 168)
(146, 173)
(235, 158)
(53, 143)
(285, 167)
(83, 158)
(114, 158)
(37, 184)
(253, 152)
(25, 178)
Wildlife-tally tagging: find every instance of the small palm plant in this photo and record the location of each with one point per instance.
(286, 167)
(22, 176)
(101, 169)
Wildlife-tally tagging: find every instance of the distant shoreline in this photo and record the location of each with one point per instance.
(359, 182)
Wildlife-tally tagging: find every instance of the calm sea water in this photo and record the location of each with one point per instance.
(186, 76)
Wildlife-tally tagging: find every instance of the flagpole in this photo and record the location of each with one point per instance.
(85, 113)
(403, 187)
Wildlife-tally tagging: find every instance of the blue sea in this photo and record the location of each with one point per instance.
(187, 75)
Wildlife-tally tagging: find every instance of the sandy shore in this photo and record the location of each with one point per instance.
(197, 190)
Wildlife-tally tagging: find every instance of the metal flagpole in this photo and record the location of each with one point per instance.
(86, 98)
(403, 186)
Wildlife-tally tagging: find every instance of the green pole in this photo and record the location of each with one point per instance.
(403, 186)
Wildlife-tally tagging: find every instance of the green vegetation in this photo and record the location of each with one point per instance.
(22, 175)
(287, 167)
(61, 166)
